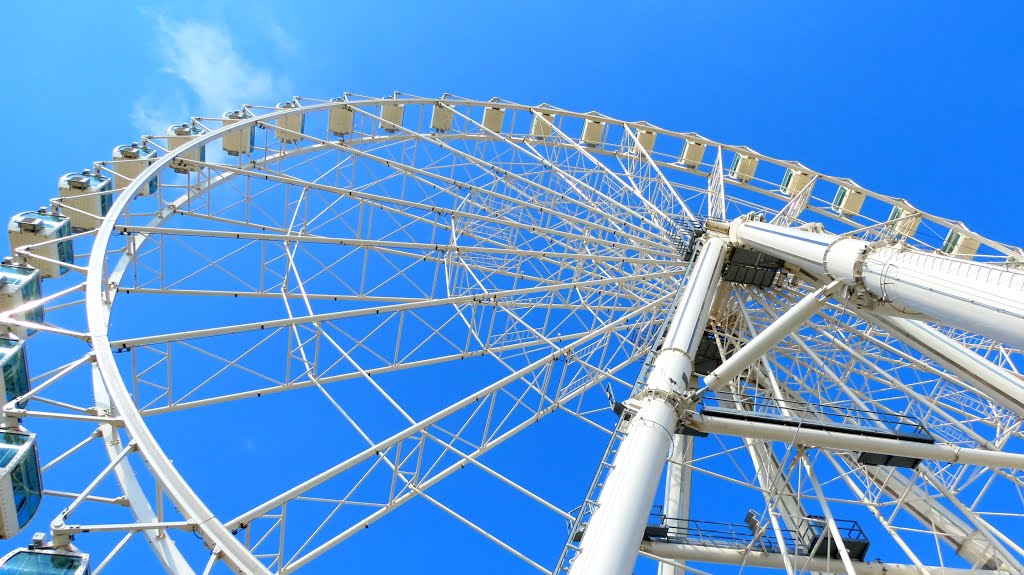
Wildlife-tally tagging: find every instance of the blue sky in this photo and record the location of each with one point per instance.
(923, 103)
(913, 102)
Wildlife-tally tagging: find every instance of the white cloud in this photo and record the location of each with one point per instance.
(152, 117)
(203, 57)
(281, 39)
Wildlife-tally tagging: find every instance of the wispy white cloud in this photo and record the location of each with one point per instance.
(206, 74)
(203, 56)
(152, 115)
(281, 39)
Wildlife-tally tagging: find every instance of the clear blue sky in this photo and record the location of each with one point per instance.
(912, 100)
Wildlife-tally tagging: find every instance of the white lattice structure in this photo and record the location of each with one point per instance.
(368, 317)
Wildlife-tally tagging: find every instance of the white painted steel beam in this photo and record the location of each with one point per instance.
(678, 480)
(726, 556)
(967, 540)
(1004, 387)
(771, 335)
(334, 316)
(853, 442)
(610, 542)
(413, 249)
(983, 298)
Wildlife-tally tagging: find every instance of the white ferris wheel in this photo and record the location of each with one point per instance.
(440, 334)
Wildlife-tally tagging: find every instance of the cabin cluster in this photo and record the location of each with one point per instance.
(44, 238)
(46, 235)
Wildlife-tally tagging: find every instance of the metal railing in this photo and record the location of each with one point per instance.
(818, 416)
(809, 538)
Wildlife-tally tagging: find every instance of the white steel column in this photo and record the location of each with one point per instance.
(678, 474)
(983, 298)
(612, 539)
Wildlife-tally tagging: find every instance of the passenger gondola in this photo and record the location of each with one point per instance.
(39, 561)
(21, 484)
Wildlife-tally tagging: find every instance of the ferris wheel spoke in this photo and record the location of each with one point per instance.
(934, 519)
(481, 531)
(923, 508)
(498, 347)
(542, 202)
(412, 249)
(233, 222)
(776, 483)
(932, 409)
(978, 456)
(324, 371)
(610, 215)
(895, 354)
(400, 205)
(496, 296)
(424, 481)
(425, 176)
(994, 549)
(950, 392)
(847, 468)
(485, 397)
(987, 378)
(655, 218)
(830, 366)
(588, 197)
(716, 200)
(530, 215)
(665, 188)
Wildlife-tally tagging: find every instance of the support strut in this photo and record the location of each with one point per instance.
(983, 298)
(612, 539)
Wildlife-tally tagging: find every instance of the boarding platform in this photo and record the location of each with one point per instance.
(825, 417)
(811, 539)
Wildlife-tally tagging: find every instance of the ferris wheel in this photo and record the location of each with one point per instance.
(444, 334)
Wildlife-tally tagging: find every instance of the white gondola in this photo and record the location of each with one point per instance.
(178, 136)
(391, 116)
(14, 366)
(238, 141)
(903, 220)
(20, 284)
(341, 119)
(848, 201)
(693, 154)
(40, 561)
(21, 483)
(593, 131)
(289, 128)
(542, 123)
(960, 244)
(796, 181)
(645, 140)
(129, 162)
(86, 197)
(43, 231)
(493, 118)
(743, 167)
(441, 117)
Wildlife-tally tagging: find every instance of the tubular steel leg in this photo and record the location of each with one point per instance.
(612, 539)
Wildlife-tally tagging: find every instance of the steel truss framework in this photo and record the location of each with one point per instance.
(324, 346)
